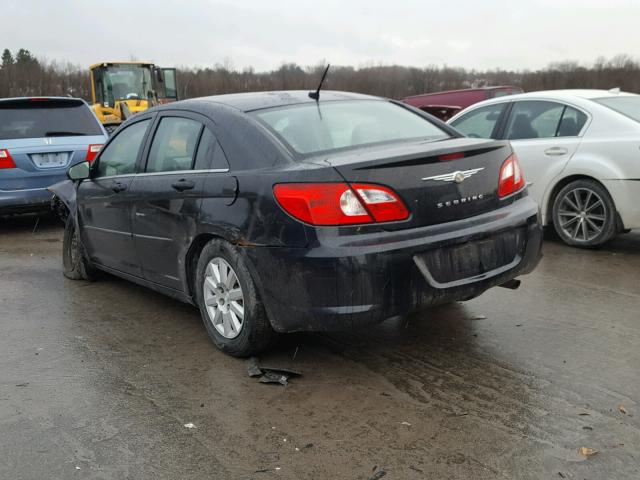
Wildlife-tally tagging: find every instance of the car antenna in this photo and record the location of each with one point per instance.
(316, 95)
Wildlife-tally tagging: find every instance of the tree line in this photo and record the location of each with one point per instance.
(23, 74)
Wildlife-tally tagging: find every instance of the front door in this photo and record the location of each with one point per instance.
(104, 201)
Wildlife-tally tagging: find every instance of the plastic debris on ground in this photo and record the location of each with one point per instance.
(270, 374)
(378, 475)
(587, 452)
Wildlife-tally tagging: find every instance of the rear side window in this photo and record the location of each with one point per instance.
(174, 145)
(38, 118)
(572, 122)
(540, 119)
(481, 122)
(210, 154)
(120, 155)
(326, 126)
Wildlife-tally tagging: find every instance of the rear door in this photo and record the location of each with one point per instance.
(168, 194)
(104, 201)
(545, 135)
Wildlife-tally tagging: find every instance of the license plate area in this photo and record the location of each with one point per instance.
(50, 159)
(474, 260)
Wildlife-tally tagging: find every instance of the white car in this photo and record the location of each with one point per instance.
(580, 149)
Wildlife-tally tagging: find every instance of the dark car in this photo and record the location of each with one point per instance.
(40, 138)
(274, 212)
(445, 105)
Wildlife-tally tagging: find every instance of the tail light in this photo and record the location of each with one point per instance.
(5, 159)
(92, 151)
(340, 203)
(511, 178)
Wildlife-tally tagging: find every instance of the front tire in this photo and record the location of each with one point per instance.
(74, 261)
(584, 214)
(229, 304)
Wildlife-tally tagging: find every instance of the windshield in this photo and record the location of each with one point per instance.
(123, 82)
(40, 118)
(313, 128)
(626, 105)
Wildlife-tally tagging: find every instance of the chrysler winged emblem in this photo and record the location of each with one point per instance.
(458, 176)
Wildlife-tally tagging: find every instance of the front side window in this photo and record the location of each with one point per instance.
(321, 127)
(120, 155)
(174, 145)
(481, 122)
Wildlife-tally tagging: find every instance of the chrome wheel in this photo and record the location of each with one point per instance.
(223, 298)
(582, 214)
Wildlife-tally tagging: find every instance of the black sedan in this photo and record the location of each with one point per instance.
(279, 212)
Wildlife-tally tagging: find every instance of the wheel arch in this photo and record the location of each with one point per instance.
(547, 208)
(193, 255)
(194, 250)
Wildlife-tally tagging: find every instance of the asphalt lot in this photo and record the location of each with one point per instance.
(97, 380)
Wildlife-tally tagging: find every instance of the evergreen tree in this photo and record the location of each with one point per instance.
(24, 58)
(7, 58)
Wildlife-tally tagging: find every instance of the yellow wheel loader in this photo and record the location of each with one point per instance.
(122, 89)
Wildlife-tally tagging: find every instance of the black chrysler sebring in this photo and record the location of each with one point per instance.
(280, 212)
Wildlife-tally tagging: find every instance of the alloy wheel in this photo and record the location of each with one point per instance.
(582, 214)
(223, 298)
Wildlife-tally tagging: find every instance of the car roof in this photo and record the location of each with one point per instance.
(43, 97)
(462, 90)
(561, 94)
(247, 102)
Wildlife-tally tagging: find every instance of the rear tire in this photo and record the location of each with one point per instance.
(230, 306)
(584, 214)
(74, 261)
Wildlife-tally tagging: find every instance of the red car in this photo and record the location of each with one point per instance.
(445, 105)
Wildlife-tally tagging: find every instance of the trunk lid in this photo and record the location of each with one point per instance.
(434, 190)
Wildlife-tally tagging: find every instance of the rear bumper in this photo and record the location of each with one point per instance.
(23, 201)
(351, 281)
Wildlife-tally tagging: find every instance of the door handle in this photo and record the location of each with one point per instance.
(118, 187)
(182, 185)
(556, 151)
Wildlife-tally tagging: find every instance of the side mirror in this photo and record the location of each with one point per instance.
(79, 171)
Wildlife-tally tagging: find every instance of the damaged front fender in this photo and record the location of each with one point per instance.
(64, 194)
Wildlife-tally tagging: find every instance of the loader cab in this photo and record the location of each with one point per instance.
(122, 89)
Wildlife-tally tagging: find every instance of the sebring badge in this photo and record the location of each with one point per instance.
(457, 177)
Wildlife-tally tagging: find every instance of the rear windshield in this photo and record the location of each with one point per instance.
(326, 126)
(46, 118)
(626, 105)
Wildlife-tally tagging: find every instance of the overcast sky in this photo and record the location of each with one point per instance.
(514, 34)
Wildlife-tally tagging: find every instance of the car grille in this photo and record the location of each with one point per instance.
(474, 258)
